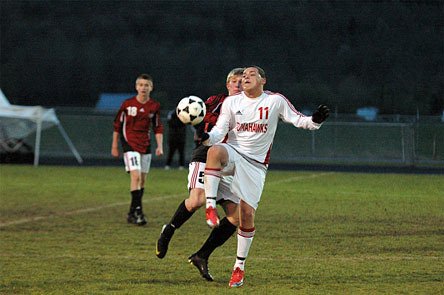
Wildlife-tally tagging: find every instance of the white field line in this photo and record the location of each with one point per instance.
(79, 211)
(93, 209)
(297, 178)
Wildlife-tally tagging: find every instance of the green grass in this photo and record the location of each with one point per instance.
(63, 231)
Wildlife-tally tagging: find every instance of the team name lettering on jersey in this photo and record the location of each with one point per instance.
(252, 127)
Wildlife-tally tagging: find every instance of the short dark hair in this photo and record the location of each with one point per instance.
(145, 77)
(259, 69)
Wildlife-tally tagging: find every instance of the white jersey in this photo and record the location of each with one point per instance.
(250, 123)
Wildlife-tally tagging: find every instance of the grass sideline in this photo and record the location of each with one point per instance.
(63, 231)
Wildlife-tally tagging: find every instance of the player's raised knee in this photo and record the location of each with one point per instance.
(218, 152)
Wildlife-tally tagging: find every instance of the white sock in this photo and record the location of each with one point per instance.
(239, 263)
(211, 202)
(244, 240)
(211, 182)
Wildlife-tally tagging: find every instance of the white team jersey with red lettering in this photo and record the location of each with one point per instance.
(251, 123)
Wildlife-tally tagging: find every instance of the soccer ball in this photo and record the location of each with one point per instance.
(191, 110)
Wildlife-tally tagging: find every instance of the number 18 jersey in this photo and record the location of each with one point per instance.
(134, 120)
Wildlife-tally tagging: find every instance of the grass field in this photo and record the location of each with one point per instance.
(63, 231)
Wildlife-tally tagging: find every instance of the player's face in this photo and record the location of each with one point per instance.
(252, 82)
(234, 85)
(144, 87)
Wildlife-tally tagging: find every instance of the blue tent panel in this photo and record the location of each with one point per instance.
(112, 101)
(367, 113)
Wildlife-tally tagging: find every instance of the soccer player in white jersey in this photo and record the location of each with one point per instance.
(248, 121)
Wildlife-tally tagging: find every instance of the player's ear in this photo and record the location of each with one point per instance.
(264, 81)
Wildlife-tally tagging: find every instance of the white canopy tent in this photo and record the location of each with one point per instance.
(17, 122)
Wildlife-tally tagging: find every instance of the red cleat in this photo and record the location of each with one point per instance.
(212, 217)
(237, 278)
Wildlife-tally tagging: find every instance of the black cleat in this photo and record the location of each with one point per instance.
(202, 266)
(165, 237)
(136, 217)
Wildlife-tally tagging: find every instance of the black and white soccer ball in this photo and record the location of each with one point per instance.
(191, 110)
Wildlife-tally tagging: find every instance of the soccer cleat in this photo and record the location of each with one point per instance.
(131, 218)
(202, 266)
(212, 217)
(163, 241)
(237, 278)
(136, 217)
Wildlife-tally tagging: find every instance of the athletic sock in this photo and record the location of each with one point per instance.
(142, 190)
(180, 216)
(244, 240)
(211, 182)
(218, 237)
(135, 200)
(240, 262)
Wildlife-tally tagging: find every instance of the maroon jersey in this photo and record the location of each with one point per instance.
(213, 105)
(134, 120)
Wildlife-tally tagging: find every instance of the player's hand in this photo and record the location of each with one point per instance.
(201, 135)
(115, 152)
(200, 129)
(204, 136)
(159, 151)
(321, 114)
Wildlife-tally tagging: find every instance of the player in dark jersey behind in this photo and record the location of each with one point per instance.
(196, 198)
(132, 126)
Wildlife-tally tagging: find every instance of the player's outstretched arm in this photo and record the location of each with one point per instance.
(321, 114)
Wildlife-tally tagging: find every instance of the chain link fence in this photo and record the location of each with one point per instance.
(343, 139)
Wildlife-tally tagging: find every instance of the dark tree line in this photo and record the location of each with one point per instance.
(344, 53)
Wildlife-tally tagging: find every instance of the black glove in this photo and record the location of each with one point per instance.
(204, 137)
(320, 114)
(200, 129)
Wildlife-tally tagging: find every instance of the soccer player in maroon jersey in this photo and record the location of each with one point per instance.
(197, 198)
(132, 126)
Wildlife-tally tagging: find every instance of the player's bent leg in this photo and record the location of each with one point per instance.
(185, 209)
(195, 200)
(165, 237)
(231, 212)
(217, 156)
(217, 238)
(184, 212)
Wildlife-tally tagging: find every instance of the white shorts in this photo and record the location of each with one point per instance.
(136, 161)
(248, 176)
(196, 180)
